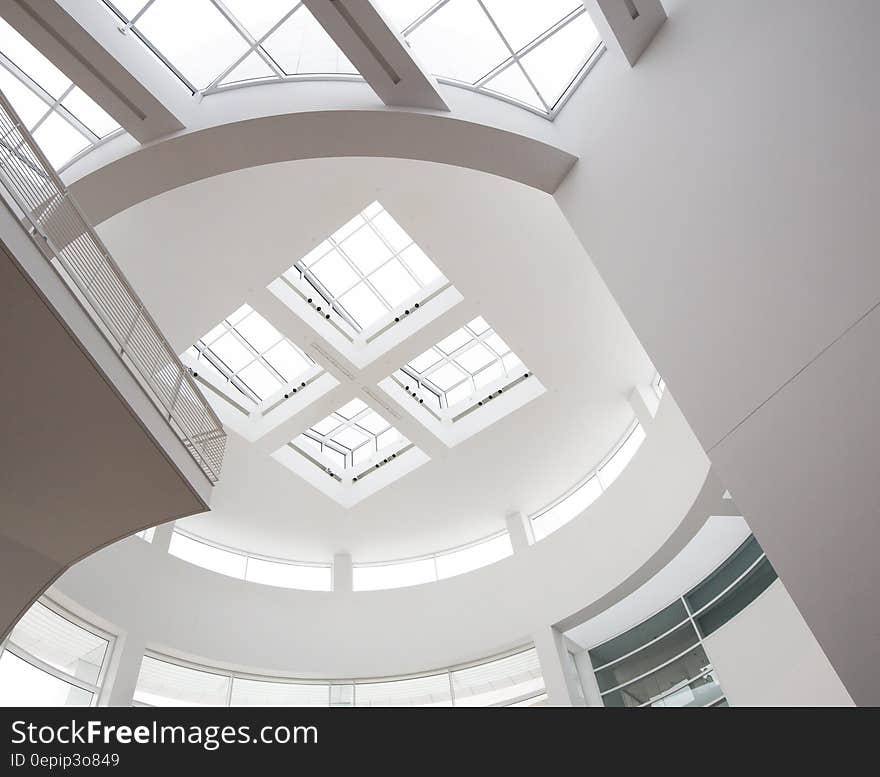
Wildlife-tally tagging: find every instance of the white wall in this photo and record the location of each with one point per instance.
(726, 192)
(766, 655)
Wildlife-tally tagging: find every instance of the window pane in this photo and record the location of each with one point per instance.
(60, 643)
(90, 113)
(619, 461)
(432, 691)
(194, 37)
(459, 42)
(23, 685)
(568, 509)
(554, 64)
(262, 693)
(460, 561)
(497, 682)
(59, 140)
(521, 21)
(406, 573)
(207, 556)
(163, 684)
(301, 576)
(302, 46)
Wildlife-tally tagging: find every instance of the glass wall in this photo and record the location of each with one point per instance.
(50, 660)
(661, 662)
(508, 681)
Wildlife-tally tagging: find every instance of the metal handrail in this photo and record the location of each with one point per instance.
(60, 228)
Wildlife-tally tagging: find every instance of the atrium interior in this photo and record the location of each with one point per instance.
(512, 353)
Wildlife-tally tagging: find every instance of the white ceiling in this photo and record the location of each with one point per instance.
(196, 253)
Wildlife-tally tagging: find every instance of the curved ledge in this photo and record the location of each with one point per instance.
(195, 155)
(641, 517)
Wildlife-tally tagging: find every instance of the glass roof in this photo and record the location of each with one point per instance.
(530, 51)
(462, 368)
(351, 436)
(367, 271)
(249, 353)
(210, 44)
(63, 119)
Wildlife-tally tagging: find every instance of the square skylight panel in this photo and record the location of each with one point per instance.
(351, 454)
(351, 441)
(359, 284)
(245, 353)
(467, 381)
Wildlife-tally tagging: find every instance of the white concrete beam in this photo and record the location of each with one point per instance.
(379, 52)
(627, 25)
(92, 67)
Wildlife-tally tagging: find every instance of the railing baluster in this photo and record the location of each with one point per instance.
(48, 207)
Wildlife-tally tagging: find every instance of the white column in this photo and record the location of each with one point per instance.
(587, 678)
(122, 674)
(560, 680)
(519, 527)
(342, 572)
(645, 404)
(162, 537)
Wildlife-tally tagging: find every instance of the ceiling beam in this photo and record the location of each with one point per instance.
(92, 67)
(628, 25)
(379, 52)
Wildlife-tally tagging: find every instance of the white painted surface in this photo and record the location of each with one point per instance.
(735, 168)
(766, 655)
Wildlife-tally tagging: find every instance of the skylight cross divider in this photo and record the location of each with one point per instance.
(254, 44)
(513, 54)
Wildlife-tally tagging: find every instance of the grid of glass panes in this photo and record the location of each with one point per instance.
(530, 51)
(351, 436)
(209, 44)
(366, 271)
(462, 367)
(249, 353)
(51, 661)
(63, 119)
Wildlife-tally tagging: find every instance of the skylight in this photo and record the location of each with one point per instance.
(529, 51)
(209, 44)
(246, 352)
(351, 440)
(366, 274)
(463, 369)
(63, 119)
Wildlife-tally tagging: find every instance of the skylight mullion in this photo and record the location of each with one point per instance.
(331, 300)
(394, 254)
(512, 54)
(254, 44)
(52, 108)
(549, 32)
(423, 18)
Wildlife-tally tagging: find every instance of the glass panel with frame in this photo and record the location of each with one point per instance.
(427, 691)
(462, 370)
(63, 119)
(51, 661)
(246, 352)
(529, 51)
(209, 44)
(498, 682)
(166, 684)
(350, 438)
(367, 274)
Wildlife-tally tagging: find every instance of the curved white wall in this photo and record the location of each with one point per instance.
(610, 550)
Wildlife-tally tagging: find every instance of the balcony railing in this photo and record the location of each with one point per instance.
(65, 237)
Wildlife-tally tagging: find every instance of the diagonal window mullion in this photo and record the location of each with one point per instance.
(513, 54)
(416, 23)
(254, 44)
